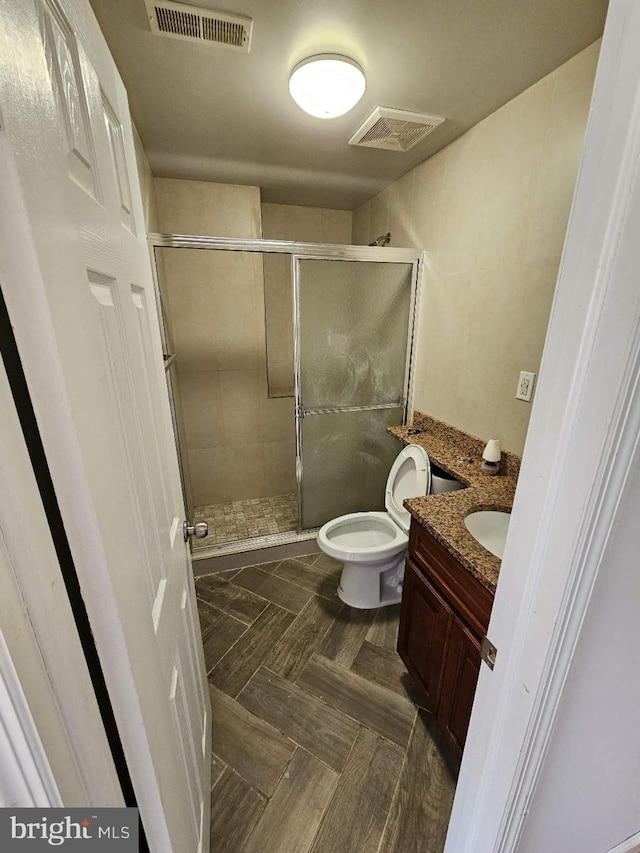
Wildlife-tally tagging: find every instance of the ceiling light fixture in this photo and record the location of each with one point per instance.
(327, 85)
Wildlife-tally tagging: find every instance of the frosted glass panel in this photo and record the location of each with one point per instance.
(354, 322)
(346, 459)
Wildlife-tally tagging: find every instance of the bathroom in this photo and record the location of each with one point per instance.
(487, 286)
(482, 220)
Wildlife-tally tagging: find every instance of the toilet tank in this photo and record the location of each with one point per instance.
(441, 481)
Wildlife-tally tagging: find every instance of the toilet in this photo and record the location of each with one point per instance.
(373, 545)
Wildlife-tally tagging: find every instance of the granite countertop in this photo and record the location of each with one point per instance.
(460, 455)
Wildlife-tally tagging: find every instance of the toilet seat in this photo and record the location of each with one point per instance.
(410, 477)
(365, 537)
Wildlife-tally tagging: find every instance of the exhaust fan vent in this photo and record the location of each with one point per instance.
(394, 130)
(178, 20)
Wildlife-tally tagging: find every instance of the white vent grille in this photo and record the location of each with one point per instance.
(394, 130)
(192, 23)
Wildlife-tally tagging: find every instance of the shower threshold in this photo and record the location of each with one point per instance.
(256, 543)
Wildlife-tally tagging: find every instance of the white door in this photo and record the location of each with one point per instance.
(76, 275)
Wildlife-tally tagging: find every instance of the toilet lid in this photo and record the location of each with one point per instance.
(410, 477)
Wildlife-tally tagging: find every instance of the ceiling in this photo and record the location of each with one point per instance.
(209, 113)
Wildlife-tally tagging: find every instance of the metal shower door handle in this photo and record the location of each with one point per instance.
(199, 530)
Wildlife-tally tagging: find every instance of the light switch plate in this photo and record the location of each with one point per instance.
(525, 386)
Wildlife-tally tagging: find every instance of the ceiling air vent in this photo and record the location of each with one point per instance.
(193, 23)
(394, 130)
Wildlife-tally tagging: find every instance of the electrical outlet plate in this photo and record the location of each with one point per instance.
(525, 386)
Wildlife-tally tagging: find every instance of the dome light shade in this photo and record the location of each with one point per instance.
(327, 85)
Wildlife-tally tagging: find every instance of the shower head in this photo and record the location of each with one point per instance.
(384, 240)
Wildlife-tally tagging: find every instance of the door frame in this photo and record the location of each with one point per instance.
(583, 433)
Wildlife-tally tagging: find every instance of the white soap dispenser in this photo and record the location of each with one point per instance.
(491, 457)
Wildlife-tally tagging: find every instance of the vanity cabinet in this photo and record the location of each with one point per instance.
(444, 614)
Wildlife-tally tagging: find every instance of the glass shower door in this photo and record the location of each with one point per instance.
(353, 324)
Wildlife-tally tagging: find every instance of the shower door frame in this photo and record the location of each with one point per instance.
(298, 252)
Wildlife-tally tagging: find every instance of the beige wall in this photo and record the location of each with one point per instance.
(206, 208)
(305, 225)
(491, 210)
(239, 443)
(147, 186)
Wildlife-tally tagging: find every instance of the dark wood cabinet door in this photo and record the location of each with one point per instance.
(461, 671)
(425, 619)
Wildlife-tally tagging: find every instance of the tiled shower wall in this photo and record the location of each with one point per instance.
(491, 210)
(238, 442)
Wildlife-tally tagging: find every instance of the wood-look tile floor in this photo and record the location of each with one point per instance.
(318, 746)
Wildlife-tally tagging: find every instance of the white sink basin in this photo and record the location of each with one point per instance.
(489, 528)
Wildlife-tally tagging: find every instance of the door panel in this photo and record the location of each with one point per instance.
(346, 457)
(462, 668)
(117, 371)
(351, 351)
(119, 162)
(425, 622)
(80, 295)
(146, 379)
(62, 55)
(353, 328)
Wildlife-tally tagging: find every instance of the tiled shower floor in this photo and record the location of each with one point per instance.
(238, 520)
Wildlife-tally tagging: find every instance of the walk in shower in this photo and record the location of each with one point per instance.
(285, 364)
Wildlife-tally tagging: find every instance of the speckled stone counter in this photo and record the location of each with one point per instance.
(443, 515)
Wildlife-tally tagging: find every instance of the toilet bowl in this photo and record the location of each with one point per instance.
(373, 545)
